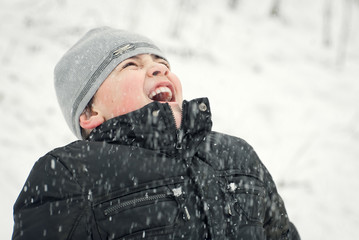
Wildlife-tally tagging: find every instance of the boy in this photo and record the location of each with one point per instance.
(149, 165)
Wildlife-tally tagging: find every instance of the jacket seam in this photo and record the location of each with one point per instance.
(225, 173)
(83, 210)
(76, 223)
(64, 165)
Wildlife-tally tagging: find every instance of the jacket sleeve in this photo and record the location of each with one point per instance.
(277, 224)
(51, 204)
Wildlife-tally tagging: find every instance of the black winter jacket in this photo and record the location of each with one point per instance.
(138, 177)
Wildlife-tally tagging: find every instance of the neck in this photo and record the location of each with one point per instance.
(177, 114)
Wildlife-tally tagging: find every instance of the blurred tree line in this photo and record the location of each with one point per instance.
(337, 18)
(276, 11)
(327, 35)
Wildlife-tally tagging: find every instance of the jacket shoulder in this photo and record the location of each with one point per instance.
(48, 204)
(48, 177)
(231, 154)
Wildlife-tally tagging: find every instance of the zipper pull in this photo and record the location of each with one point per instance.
(179, 195)
(187, 216)
(179, 134)
(228, 209)
(89, 196)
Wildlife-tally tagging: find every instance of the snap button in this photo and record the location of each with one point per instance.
(202, 107)
(156, 113)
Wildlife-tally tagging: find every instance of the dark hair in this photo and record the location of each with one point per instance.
(88, 109)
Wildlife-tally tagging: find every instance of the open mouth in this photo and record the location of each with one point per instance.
(162, 94)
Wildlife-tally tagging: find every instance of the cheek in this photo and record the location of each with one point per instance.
(178, 85)
(130, 98)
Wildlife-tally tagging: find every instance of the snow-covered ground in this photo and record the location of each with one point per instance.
(270, 81)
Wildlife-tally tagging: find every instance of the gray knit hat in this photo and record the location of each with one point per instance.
(82, 69)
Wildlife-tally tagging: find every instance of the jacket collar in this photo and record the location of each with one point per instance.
(153, 126)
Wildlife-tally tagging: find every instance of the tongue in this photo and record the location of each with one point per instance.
(162, 97)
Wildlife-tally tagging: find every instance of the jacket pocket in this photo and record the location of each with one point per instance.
(250, 201)
(247, 197)
(140, 214)
(161, 233)
(137, 202)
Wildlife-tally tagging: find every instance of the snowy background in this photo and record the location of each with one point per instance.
(288, 83)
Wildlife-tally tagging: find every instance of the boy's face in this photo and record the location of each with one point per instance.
(134, 83)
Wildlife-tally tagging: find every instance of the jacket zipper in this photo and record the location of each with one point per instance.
(179, 134)
(176, 194)
(179, 131)
(152, 198)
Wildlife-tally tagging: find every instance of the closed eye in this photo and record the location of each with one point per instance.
(128, 64)
(166, 64)
(161, 60)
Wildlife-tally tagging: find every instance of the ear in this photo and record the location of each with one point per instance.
(91, 120)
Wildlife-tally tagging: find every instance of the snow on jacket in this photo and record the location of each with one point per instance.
(138, 177)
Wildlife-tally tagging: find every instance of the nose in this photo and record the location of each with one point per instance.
(157, 69)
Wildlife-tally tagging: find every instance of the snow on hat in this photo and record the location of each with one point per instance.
(83, 68)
